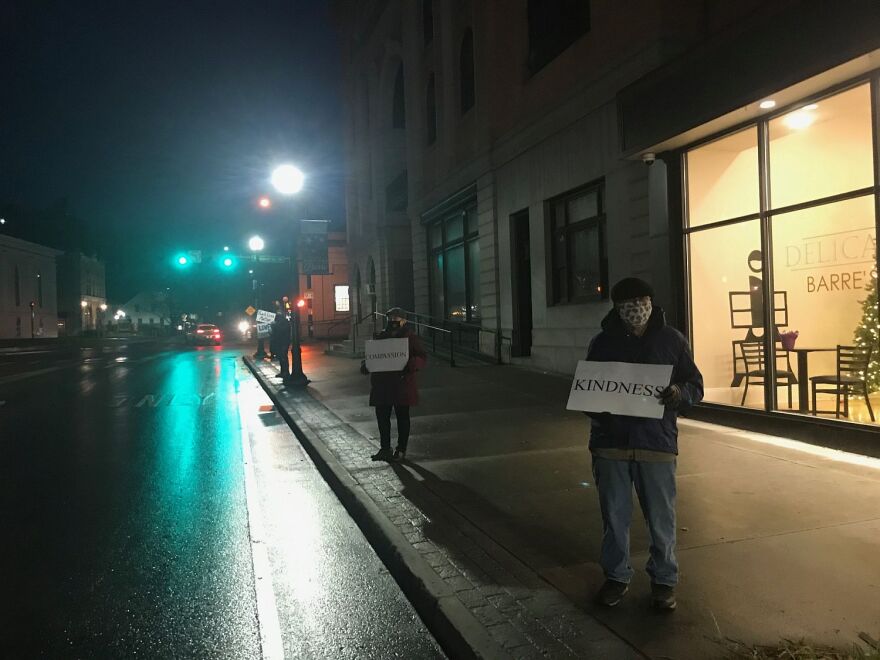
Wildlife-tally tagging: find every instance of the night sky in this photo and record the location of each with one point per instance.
(155, 124)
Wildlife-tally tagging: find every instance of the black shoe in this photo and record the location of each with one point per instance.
(663, 597)
(611, 593)
(383, 455)
(399, 455)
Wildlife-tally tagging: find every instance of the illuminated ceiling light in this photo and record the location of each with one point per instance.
(812, 106)
(766, 105)
(799, 120)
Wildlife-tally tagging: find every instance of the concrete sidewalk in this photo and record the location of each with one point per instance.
(497, 500)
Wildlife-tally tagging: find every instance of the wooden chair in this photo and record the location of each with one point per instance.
(756, 373)
(851, 378)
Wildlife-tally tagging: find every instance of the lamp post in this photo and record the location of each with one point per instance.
(288, 180)
(256, 244)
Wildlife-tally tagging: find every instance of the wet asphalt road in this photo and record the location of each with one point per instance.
(126, 522)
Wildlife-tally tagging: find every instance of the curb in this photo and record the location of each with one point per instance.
(457, 631)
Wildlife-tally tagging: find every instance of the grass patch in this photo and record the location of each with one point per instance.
(788, 649)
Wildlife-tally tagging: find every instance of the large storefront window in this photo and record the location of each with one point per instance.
(812, 242)
(455, 266)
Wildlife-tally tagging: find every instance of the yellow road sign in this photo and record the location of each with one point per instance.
(250, 310)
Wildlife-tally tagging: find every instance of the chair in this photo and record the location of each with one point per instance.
(753, 358)
(851, 378)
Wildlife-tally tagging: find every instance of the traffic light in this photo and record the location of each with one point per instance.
(182, 260)
(226, 261)
(300, 303)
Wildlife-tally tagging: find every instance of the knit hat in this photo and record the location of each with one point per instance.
(629, 288)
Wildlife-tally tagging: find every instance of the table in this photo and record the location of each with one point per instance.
(803, 374)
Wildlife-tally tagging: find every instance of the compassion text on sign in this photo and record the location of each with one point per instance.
(386, 354)
(621, 388)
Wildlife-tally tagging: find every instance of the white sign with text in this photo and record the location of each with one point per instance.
(264, 330)
(620, 388)
(265, 317)
(386, 354)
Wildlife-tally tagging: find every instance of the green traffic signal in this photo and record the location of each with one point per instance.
(181, 260)
(226, 262)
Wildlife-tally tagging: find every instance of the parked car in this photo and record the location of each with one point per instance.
(204, 333)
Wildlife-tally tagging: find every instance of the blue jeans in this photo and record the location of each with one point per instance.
(655, 486)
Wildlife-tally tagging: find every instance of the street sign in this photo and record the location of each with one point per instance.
(313, 247)
(270, 259)
(195, 256)
(263, 330)
(265, 317)
(250, 311)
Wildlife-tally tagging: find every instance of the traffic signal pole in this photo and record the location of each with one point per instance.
(297, 377)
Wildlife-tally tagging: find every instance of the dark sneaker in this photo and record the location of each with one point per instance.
(382, 455)
(611, 593)
(663, 597)
(399, 455)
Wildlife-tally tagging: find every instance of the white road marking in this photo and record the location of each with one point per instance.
(267, 610)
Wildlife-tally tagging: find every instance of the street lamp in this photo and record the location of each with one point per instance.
(256, 243)
(288, 180)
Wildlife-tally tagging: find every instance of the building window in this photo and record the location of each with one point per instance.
(454, 248)
(430, 112)
(398, 104)
(308, 281)
(340, 298)
(428, 21)
(816, 175)
(578, 261)
(17, 288)
(40, 289)
(554, 25)
(467, 91)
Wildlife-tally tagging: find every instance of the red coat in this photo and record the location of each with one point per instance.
(399, 388)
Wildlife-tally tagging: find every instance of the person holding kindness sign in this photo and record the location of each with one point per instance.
(640, 452)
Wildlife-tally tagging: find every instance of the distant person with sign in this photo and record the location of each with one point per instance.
(279, 345)
(396, 390)
(640, 452)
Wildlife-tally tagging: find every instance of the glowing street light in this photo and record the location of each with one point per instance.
(265, 203)
(256, 243)
(83, 304)
(226, 248)
(288, 179)
(103, 307)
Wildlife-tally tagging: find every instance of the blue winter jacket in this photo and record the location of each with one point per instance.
(660, 344)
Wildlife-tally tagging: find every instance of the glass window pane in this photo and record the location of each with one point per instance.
(722, 179)
(455, 284)
(437, 300)
(727, 309)
(436, 235)
(824, 259)
(474, 299)
(822, 149)
(585, 264)
(558, 212)
(472, 221)
(583, 207)
(340, 295)
(454, 227)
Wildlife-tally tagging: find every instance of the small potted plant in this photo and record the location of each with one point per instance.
(788, 338)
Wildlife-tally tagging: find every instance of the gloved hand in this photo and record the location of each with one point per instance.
(364, 369)
(671, 397)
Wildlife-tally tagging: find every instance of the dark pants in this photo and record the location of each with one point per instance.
(284, 360)
(383, 416)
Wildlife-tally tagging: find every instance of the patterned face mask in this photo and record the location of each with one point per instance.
(635, 313)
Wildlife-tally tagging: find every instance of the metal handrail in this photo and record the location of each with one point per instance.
(499, 340)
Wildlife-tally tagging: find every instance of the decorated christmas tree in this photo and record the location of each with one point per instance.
(868, 334)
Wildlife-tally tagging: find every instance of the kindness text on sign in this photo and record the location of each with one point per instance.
(620, 388)
(386, 354)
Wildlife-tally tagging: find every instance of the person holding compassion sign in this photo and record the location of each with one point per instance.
(640, 452)
(396, 389)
